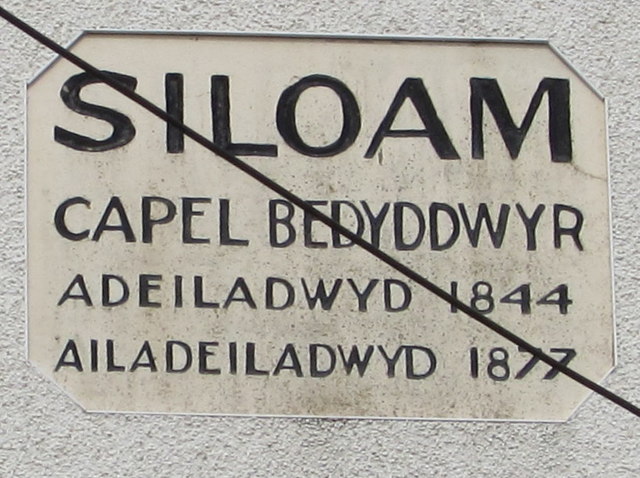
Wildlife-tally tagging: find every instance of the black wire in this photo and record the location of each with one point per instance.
(291, 197)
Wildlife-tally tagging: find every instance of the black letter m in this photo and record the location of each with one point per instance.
(487, 90)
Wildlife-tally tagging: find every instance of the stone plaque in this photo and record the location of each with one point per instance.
(161, 279)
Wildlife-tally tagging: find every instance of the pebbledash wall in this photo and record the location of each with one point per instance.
(43, 433)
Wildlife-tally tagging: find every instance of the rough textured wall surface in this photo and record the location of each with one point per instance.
(43, 433)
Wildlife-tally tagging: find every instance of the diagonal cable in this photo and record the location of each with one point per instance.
(309, 209)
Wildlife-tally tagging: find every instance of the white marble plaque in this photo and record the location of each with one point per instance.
(161, 279)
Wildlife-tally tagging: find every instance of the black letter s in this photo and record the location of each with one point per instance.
(123, 130)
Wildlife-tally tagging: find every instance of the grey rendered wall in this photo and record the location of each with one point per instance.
(43, 433)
